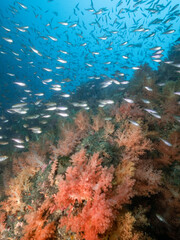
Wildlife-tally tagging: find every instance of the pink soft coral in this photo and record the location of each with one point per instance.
(127, 110)
(148, 179)
(82, 121)
(86, 196)
(70, 137)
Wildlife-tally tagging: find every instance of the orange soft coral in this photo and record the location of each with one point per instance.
(54, 167)
(16, 186)
(133, 140)
(148, 179)
(29, 159)
(82, 121)
(71, 137)
(128, 110)
(168, 154)
(108, 129)
(87, 198)
(2, 221)
(38, 227)
(98, 122)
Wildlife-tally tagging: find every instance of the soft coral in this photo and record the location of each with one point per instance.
(87, 198)
(38, 227)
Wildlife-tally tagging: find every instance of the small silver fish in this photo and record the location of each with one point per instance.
(155, 48)
(148, 88)
(156, 115)
(3, 158)
(103, 38)
(146, 101)
(64, 23)
(46, 116)
(73, 25)
(23, 6)
(104, 102)
(134, 123)
(17, 140)
(9, 40)
(89, 65)
(36, 51)
(169, 32)
(63, 52)
(20, 84)
(47, 81)
(95, 53)
(56, 88)
(63, 114)
(124, 43)
(79, 104)
(11, 74)
(53, 38)
(7, 29)
(4, 143)
(135, 68)
(36, 130)
(124, 82)
(161, 218)
(51, 109)
(19, 146)
(33, 116)
(21, 29)
(150, 110)
(65, 95)
(161, 84)
(128, 100)
(61, 60)
(177, 65)
(62, 108)
(47, 69)
(39, 95)
(157, 60)
(166, 142)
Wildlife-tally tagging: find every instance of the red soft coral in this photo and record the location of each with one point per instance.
(86, 196)
(3, 217)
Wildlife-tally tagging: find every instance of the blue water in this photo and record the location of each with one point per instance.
(131, 22)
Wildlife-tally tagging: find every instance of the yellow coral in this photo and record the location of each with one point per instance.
(16, 186)
(125, 229)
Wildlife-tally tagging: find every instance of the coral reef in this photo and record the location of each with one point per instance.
(110, 175)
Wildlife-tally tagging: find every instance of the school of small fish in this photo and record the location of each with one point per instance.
(48, 55)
